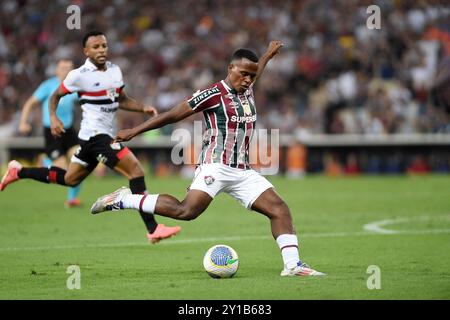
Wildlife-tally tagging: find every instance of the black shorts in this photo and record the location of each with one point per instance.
(57, 147)
(99, 149)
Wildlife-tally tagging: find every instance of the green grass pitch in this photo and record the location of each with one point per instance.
(40, 239)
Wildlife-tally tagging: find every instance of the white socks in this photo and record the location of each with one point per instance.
(145, 203)
(288, 244)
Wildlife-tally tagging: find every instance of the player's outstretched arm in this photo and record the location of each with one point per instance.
(272, 50)
(179, 112)
(24, 126)
(129, 104)
(56, 126)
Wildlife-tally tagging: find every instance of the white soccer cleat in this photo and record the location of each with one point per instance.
(110, 202)
(302, 269)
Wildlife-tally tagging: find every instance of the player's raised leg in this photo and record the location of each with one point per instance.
(189, 208)
(70, 177)
(130, 167)
(272, 206)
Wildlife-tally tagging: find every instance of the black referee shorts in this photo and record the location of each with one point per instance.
(57, 147)
(99, 149)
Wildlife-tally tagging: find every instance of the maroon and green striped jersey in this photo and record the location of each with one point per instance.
(230, 121)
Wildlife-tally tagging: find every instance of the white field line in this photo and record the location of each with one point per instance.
(222, 239)
(378, 226)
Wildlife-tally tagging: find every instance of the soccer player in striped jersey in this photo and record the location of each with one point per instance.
(99, 86)
(230, 114)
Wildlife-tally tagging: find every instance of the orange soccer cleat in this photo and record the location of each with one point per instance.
(11, 174)
(162, 232)
(73, 203)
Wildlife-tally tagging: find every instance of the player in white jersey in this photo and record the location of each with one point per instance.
(227, 105)
(58, 150)
(99, 85)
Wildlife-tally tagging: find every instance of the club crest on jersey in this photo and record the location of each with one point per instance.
(247, 109)
(112, 94)
(209, 180)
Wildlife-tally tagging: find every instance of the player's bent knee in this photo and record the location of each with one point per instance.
(281, 210)
(71, 182)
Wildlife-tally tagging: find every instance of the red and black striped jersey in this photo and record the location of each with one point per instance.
(230, 121)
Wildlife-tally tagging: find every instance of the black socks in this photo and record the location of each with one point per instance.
(46, 175)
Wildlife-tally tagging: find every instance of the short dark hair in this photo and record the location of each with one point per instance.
(244, 53)
(91, 34)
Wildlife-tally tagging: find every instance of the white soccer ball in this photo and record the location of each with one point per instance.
(221, 261)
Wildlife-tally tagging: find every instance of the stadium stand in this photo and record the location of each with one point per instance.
(334, 76)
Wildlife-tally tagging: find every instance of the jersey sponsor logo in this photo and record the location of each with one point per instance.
(245, 119)
(203, 95)
(108, 110)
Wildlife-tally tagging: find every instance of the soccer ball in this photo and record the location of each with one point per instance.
(221, 261)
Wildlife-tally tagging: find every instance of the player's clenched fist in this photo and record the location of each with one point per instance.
(150, 110)
(56, 127)
(125, 135)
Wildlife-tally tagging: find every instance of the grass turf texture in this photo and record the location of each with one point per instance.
(40, 239)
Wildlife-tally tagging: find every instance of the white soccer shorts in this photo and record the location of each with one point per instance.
(243, 185)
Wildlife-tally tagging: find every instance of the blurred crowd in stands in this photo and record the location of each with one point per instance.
(334, 74)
